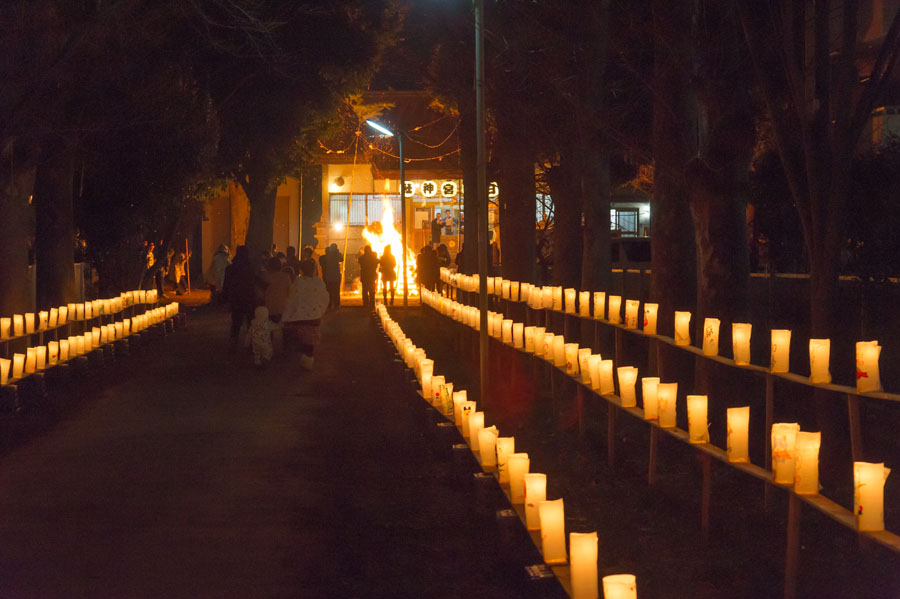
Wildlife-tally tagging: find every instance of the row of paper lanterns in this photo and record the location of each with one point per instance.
(868, 377)
(795, 454)
(28, 323)
(526, 488)
(38, 358)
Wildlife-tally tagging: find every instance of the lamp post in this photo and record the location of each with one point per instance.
(482, 203)
(388, 133)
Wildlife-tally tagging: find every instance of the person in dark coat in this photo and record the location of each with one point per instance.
(388, 267)
(331, 273)
(239, 290)
(436, 226)
(292, 260)
(368, 275)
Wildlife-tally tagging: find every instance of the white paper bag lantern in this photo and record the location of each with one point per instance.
(738, 434)
(18, 366)
(781, 350)
(517, 464)
(698, 425)
(5, 366)
(538, 341)
(607, 384)
(558, 298)
(506, 446)
(740, 342)
(30, 360)
(95, 337)
(711, 336)
(631, 313)
(627, 379)
(79, 312)
(615, 309)
(487, 446)
(18, 325)
(64, 313)
(546, 297)
(88, 310)
(506, 331)
(518, 329)
(547, 351)
(650, 311)
(584, 368)
(5, 325)
(649, 386)
(535, 493)
(571, 356)
(666, 398)
(41, 357)
(594, 366)
(868, 496)
(559, 351)
(599, 305)
(53, 353)
(529, 339)
(514, 291)
(29, 323)
(43, 319)
(553, 531)
(619, 586)
(806, 463)
(476, 423)
(819, 358)
(466, 408)
(53, 318)
(504, 289)
(82, 342)
(784, 447)
(570, 301)
(583, 564)
(437, 380)
(584, 303)
(63, 350)
(682, 328)
(868, 377)
(126, 325)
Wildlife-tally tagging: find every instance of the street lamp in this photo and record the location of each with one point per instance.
(482, 202)
(388, 133)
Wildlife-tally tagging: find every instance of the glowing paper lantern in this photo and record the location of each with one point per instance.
(571, 356)
(53, 318)
(30, 360)
(738, 434)
(518, 329)
(650, 311)
(88, 310)
(476, 423)
(506, 331)
(79, 312)
(53, 353)
(538, 341)
(506, 446)
(711, 337)
(535, 493)
(81, 342)
(740, 342)
(5, 365)
(95, 337)
(487, 446)
(868, 496)
(698, 426)
(667, 396)
(547, 350)
(682, 328)
(504, 289)
(546, 297)
(594, 366)
(5, 325)
(559, 351)
(517, 464)
(605, 370)
(868, 377)
(529, 339)
(64, 313)
(29, 323)
(436, 382)
(570, 301)
(18, 325)
(781, 350)
(806, 463)
(615, 309)
(619, 586)
(466, 408)
(631, 313)
(63, 350)
(819, 358)
(426, 371)
(584, 368)
(553, 531)
(583, 564)
(599, 305)
(18, 366)
(514, 291)
(649, 386)
(557, 298)
(627, 379)
(784, 447)
(41, 357)
(43, 319)
(584, 303)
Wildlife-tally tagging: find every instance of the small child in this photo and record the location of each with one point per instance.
(260, 336)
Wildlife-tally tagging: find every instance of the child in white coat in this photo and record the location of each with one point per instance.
(260, 336)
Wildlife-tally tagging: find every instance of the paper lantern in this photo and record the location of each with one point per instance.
(88, 310)
(18, 366)
(506, 331)
(466, 408)
(806, 463)
(476, 423)
(535, 493)
(594, 366)
(538, 341)
(605, 370)
(487, 446)
(506, 446)
(584, 303)
(584, 368)
(53, 318)
(784, 447)
(95, 337)
(583, 564)
(79, 312)
(868, 496)
(546, 297)
(615, 309)
(445, 402)
(553, 531)
(30, 360)
(559, 351)
(666, 398)
(558, 298)
(5, 325)
(599, 305)
(650, 311)
(437, 381)
(570, 301)
(529, 339)
(104, 335)
(781, 350)
(631, 313)
(819, 358)
(740, 342)
(53, 353)
(620, 586)
(627, 379)
(426, 371)
(711, 337)
(517, 464)
(29, 323)
(868, 377)
(81, 343)
(738, 434)
(547, 351)
(649, 387)
(518, 329)
(43, 319)
(504, 289)
(571, 356)
(64, 313)
(698, 425)
(126, 326)
(5, 365)
(514, 291)
(41, 357)
(63, 350)
(18, 325)
(682, 328)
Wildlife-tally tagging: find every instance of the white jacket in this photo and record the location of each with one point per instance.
(307, 300)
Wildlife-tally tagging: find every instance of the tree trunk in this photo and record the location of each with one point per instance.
(565, 188)
(16, 184)
(517, 208)
(261, 228)
(55, 228)
(595, 258)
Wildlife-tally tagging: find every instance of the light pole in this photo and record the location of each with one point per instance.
(388, 133)
(482, 203)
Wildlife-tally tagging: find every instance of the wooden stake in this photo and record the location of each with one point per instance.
(792, 547)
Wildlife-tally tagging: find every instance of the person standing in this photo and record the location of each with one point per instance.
(302, 318)
(388, 267)
(292, 260)
(368, 275)
(330, 262)
(436, 226)
(215, 275)
(239, 290)
(448, 223)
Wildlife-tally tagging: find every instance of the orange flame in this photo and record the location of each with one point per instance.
(381, 234)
